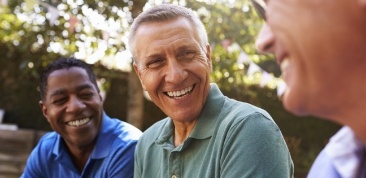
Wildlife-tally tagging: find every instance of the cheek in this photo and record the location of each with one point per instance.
(150, 80)
(203, 68)
(51, 112)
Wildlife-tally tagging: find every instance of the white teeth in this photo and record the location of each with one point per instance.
(179, 93)
(78, 123)
(284, 64)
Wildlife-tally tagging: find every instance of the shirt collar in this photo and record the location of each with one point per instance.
(205, 125)
(206, 122)
(346, 152)
(104, 139)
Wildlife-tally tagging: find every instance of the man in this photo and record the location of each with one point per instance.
(206, 134)
(320, 46)
(85, 141)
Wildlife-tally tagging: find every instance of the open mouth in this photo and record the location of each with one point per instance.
(181, 93)
(79, 122)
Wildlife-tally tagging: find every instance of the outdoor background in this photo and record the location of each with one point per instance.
(35, 32)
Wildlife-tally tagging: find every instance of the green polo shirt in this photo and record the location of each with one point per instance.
(230, 139)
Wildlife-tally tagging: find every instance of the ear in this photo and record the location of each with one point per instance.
(44, 109)
(136, 68)
(208, 56)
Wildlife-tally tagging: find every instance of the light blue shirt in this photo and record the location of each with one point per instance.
(343, 157)
(230, 139)
(112, 155)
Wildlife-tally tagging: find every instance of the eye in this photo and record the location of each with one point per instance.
(155, 63)
(86, 93)
(59, 101)
(188, 54)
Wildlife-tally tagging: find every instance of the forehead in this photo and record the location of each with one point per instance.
(160, 35)
(67, 72)
(67, 78)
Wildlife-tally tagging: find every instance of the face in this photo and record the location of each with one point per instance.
(317, 44)
(73, 106)
(173, 68)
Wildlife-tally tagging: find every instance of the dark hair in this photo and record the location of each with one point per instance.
(64, 63)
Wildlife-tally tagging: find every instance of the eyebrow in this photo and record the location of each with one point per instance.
(180, 48)
(152, 56)
(57, 92)
(184, 47)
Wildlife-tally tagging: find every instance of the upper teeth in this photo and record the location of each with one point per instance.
(78, 122)
(179, 93)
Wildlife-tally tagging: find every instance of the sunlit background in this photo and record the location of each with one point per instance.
(36, 32)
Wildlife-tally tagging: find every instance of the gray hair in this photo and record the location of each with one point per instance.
(166, 12)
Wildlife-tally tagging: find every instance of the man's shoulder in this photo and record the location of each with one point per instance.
(237, 116)
(48, 139)
(45, 145)
(122, 132)
(241, 110)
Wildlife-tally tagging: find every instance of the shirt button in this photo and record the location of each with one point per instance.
(174, 176)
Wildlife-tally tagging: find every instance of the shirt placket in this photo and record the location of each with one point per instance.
(175, 163)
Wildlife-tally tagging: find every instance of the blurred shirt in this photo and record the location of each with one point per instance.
(343, 157)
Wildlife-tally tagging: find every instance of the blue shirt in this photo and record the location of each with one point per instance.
(230, 139)
(343, 157)
(112, 155)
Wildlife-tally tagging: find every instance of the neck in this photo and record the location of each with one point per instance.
(80, 155)
(349, 107)
(182, 131)
(352, 112)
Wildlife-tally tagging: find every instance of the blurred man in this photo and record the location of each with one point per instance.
(321, 47)
(85, 141)
(205, 134)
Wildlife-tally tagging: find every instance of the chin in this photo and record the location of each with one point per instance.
(294, 105)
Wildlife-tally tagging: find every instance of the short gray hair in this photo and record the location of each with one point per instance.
(166, 12)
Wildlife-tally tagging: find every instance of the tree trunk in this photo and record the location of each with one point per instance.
(135, 105)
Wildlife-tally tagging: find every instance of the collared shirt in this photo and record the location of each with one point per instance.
(343, 157)
(112, 155)
(230, 139)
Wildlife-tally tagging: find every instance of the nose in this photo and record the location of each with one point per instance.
(176, 72)
(265, 40)
(75, 105)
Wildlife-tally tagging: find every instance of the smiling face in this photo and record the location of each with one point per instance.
(317, 44)
(173, 67)
(73, 106)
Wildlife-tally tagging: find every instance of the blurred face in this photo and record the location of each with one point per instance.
(173, 68)
(316, 43)
(73, 106)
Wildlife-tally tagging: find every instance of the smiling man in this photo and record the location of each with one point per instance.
(85, 141)
(321, 48)
(205, 134)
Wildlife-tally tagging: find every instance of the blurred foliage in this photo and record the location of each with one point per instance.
(30, 39)
(27, 34)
